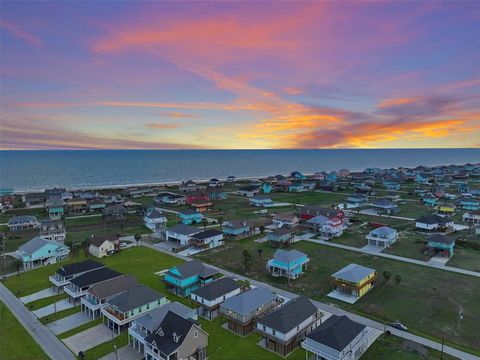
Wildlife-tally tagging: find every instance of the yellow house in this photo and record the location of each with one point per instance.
(446, 209)
(352, 282)
(101, 247)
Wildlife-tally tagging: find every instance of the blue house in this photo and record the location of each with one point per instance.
(236, 228)
(190, 216)
(267, 188)
(289, 264)
(429, 200)
(217, 194)
(298, 175)
(468, 203)
(441, 245)
(420, 179)
(332, 176)
(259, 200)
(393, 186)
(183, 279)
(39, 251)
(463, 188)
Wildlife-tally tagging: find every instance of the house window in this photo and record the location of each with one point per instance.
(131, 313)
(264, 329)
(273, 332)
(195, 333)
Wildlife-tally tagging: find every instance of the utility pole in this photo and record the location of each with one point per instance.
(460, 318)
(443, 342)
(114, 346)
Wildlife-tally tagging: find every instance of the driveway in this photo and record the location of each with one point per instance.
(372, 249)
(42, 294)
(50, 309)
(68, 323)
(89, 338)
(124, 353)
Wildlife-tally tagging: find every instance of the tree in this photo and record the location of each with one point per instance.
(247, 260)
(204, 223)
(262, 229)
(260, 252)
(18, 265)
(387, 275)
(220, 221)
(137, 238)
(84, 246)
(398, 278)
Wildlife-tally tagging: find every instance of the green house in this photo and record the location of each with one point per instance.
(441, 245)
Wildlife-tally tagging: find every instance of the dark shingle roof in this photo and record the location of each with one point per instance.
(163, 338)
(336, 332)
(185, 229)
(135, 297)
(433, 219)
(289, 315)
(75, 268)
(95, 276)
(207, 234)
(217, 289)
(112, 287)
(442, 239)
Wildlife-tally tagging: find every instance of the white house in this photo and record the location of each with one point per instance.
(209, 238)
(101, 247)
(434, 223)
(181, 234)
(383, 236)
(326, 227)
(285, 220)
(155, 220)
(472, 217)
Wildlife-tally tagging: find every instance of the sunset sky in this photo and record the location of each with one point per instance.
(169, 75)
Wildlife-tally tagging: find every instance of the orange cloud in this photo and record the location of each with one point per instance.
(395, 102)
(162, 126)
(21, 34)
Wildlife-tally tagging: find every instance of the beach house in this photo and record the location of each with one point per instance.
(52, 230)
(236, 228)
(66, 273)
(327, 228)
(155, 220)
(287, 263)
(382, 237)
(284, 329)
(183, 279)
(352, 282)
(472, 217)
(209, 297)
(434, 223)
(180, 234)
(285, 219)
(261, 201)
(441, 245)
(280, 237)
(38, 252)
(22, 222)
(468, 203)
(190, 216)
(101, 246)
(207, 239)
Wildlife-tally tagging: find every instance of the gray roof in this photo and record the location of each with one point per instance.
(384, 231)
(22, 218)
(216, 289)
(287, 256)
(319, 220)
(112, 287)
(289, 315)
(185, 229)
(155, 214)
(353, 273)
(336, 332)
(433, 219)
(153, 319)
(135, 297)
(36, 243)
(249, 301)
(191, 268)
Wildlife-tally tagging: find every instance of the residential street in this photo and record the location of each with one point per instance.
(50, 344)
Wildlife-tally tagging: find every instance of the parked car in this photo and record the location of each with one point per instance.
(398, 325)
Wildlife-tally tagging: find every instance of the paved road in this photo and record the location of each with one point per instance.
(395, 257)
(334, 310)
(50, 344)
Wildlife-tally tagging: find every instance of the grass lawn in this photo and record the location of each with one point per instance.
(353, 237)
(427, 300)
(408, 244)
(107, 347)
(310, 198)
(466, 259)
(15, 342)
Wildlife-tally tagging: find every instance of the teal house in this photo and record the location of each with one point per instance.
(236, 228)
(55, 208)
(267, 188)
(38, 252)
(287, 263)
(183, 279)
(420, 179)
(190, 216)
(441, 245)
(429, 200)
(468, 203)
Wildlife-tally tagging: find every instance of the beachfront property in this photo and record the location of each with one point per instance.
(96, 205)
(352, 282)
(434, 223)
(115, 212)
(98, 295)
(267, 188)
(149, 323)
(468, 203)
(180, 234)
(207, 239)
(169, 198)
(472, 217)
(129, 305)
(236, 228)
(55, 207)
(101, 246)
(280, 237)
(243, 310)
(248, 191)
(183, 279)
(338, 338)
(155, 220)
(284, 328)
(177, 338)
(34, 199)
(261, 201)
(382, 237)
(285, 219)
(79, 285)
(39, 252)
(287, 263)
(66, 273)
(52, 230)
(327, 228)
(302, 186)
(209, 297)
(77, 205)
(190, 216)
(441, 245)
(190, 186)
(22, 222)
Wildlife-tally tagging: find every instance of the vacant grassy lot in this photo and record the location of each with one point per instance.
(15, 342)
(426, 300)
(466, 259)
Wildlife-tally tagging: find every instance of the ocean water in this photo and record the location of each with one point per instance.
(37, 170)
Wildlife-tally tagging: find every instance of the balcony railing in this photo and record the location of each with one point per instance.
(118, 315)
